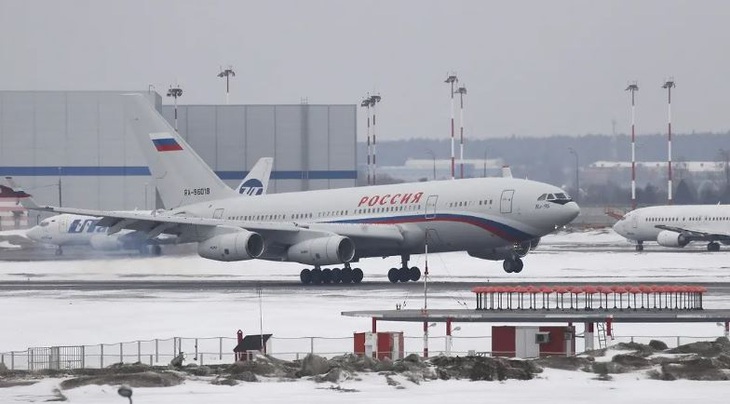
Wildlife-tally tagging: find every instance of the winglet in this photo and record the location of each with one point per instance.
(13, 190)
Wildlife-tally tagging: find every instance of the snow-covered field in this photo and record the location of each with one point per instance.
(73, 317)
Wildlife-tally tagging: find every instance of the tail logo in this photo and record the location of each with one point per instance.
(166, 144)
(251, 187)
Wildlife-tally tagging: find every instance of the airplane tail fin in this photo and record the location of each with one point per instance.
(257, 180)
(506, 172)
(12, 190)
(181, 175)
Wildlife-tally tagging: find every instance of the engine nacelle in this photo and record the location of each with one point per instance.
(237, 246)
(668, 238)
(518, 250)
(105, 242)
(323, 251)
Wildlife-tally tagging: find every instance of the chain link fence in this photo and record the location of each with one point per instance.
(219, 350)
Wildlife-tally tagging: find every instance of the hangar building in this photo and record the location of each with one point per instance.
(71, 147)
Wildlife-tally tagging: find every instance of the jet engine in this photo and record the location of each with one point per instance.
(236, 246)
(518, 250)
(322, 251)
(106, 242)
(669, 238)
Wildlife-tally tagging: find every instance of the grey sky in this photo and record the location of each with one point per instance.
(531, 67)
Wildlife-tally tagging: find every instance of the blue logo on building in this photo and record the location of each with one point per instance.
(251, 187)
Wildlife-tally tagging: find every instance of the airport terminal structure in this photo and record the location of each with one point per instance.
(72, 148)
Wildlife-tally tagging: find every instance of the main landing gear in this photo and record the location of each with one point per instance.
(640, 246)
(404, 274)
(320, 276)
(513, 265)
(59, 250)
(713, 246)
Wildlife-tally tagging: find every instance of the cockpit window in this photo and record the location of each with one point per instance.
(561, 196)
(550, 197)
(44, 224)
(542, 197)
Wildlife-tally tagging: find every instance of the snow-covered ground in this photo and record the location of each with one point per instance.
(74, 317)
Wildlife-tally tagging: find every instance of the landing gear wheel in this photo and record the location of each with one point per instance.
(507, 266)
(59, 251)
(404, 275)
(156, 250)
(316, 276)
(305, 276)
(357, 275)
(326, 275)
(346, 275)
(336, 275)
(713, 246)
(393, 275)
(415, 273)
(639, 247)
(518, 265)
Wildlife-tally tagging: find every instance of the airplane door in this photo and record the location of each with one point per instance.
(505, 204)
(218, 213)
(634, 221)
(431, 206)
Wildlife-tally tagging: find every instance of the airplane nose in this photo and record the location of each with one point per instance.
(34, 233)
(619, 228)
(573, 210)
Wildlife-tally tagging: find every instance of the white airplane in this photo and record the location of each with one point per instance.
(70, 229)
(677, 225)
(490, 218)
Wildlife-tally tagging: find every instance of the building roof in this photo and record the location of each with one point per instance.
(252, 343)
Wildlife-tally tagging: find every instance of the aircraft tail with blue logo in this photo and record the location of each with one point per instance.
(181, 176)
(257, 180)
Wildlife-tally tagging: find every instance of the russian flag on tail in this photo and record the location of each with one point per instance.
(164, 142)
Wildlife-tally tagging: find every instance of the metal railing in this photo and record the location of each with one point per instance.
(219, 350)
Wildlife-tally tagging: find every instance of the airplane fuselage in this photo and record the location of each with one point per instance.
(457, 215)
(641, 224)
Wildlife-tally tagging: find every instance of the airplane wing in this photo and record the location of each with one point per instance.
(278, 235)
(695, 233)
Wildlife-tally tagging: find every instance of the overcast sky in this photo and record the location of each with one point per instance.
(532, 68)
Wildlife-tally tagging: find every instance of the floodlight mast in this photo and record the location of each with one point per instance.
(227, 73)
(366, 104)
(374, 100)
(452, 79)
(633, 88)
(175, 92)
(669, 84)
(462, 92)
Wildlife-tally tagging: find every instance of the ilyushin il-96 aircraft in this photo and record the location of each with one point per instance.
(490, 218)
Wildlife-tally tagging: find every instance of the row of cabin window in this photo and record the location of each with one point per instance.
(329, 214)
(691, 219)
(484, 202)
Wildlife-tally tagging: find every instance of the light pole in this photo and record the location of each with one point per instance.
(366, 104)
(633, 88)
(60, 193)
(374, 100)
(433, 157)
(227, 73)
(175, 92)
(462, 92)
(485, 163)
(669, 84)
(577, 179)
(451, 79)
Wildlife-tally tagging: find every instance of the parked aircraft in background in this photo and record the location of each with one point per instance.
(677, 225)
(490, 218)
(68, 229)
